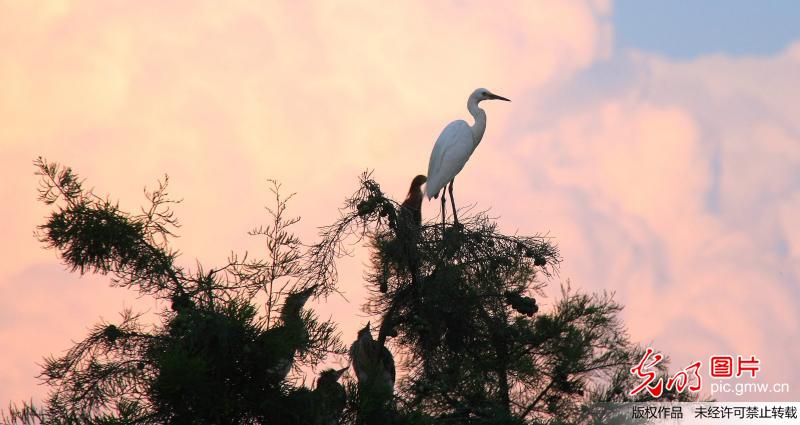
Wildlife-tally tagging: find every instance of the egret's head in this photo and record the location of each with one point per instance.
(484, 94)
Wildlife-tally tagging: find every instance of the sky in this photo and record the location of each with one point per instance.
(657, 142)
(684, 29)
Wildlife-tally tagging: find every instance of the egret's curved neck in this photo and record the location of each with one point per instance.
(480, 120)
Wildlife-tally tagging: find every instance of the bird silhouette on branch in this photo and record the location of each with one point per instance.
(463, 336)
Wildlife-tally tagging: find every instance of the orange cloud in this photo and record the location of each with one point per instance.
(677, 189)
(223, 97)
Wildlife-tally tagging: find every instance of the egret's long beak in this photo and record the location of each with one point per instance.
(496, 97)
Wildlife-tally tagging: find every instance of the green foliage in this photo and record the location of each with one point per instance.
(459, 312)
(92, 234)
(458, 305)
(214, 358)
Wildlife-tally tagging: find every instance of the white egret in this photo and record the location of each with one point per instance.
(454, 147)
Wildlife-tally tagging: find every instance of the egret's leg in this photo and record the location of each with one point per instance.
(453, 202)
(444, 192)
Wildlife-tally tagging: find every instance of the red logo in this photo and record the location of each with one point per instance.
(688, 378)
(649, 376)
(751, 365)
(721, 366)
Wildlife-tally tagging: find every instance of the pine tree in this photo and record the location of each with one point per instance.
(455, 306)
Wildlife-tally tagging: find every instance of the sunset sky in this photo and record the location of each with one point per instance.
(657, 142)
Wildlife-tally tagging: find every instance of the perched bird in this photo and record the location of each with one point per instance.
(373, 364)
(407, 229)
(411, 209)
(329, 397)
(282, 342)
(454, 147)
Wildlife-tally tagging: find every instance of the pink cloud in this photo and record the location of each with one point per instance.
(681, 184)
(673, 190)
(224, 97)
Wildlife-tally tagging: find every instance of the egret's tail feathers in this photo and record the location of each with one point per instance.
(431, 191)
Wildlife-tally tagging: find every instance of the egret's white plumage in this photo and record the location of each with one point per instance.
(450, 153)
(454, 147)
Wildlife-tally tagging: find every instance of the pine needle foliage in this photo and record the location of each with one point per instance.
(211, 358)
(457, 305)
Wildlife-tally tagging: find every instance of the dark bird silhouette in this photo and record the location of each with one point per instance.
(409, 221)
(373, 364)
(411, 209)
(328, 398)
(282, 342)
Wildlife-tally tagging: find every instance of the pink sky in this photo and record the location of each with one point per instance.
(672, 184)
